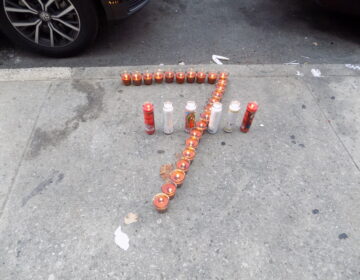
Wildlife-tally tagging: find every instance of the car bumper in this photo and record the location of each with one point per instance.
(119, 9)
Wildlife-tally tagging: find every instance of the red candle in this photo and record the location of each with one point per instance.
(223, 75)
(148, 78)
(205, 116)
(169, 189)
(191, 142)
(212, 77)
(177, 176)
(169, 76)
(180, 77)
(159, 77)
(196, 133)
(202, 125)
(200, 77)
(212, 100)
(221, 83)
(251, 109)
(183, 164)
(190, 76)
(217, 94)
(137, 78)
(161, 202)
(126, 78)
(148, 109)
(208, 107)
(189, 154)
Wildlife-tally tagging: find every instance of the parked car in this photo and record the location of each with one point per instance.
(343, 6)
(60, 27)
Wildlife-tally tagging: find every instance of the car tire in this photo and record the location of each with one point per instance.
(55, 34)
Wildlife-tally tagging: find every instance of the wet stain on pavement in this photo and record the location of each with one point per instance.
(302, 145)
(223, 143)
(160, 151)
(343, 236)
(91, 110)
(303, 106)
(54, 177)
(333, 97)
(315, 211)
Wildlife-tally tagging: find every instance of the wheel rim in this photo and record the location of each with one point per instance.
(48, 23)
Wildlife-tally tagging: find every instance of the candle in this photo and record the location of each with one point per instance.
(161, 202)
(191, 142)
(205, 116)
(212, 100)
(169, 76)
(217, 94)
(169, 189)
(177, 176)
(212, 77)
(148, 109)
(189, 154)
(221, 83)
(208, 107)
(137, 78)
(190, 76)
(220, 88)
(200, 77)
(148, 78)
(196, 133)
(159, 77)
(183, 164)
(180, 77)
(215, 118)
(223, 76)
(126, 78)
(202, 125)
(251, 109)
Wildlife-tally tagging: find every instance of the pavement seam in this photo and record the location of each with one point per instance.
(13, 180)
(331, 126)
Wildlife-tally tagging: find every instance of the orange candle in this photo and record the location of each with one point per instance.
(189, 154)
(183, 164)
(212, 100)
(191, 142)
(208, 107)
(177, 176)
(202, 125)
(223, 76)
(190, 76)
(221, 83)
(159, 77)
(126, 78)
(161, 202)
(217, 94)
(169, 76)
(212, 77)
(205, 116)
(148, 78)
(137, 78)
(200, 77)
(169, 189)
(180, 77)
(196, 133)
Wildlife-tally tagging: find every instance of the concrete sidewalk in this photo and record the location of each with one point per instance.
(281, 202)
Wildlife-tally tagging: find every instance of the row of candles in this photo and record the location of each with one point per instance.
(136, 78)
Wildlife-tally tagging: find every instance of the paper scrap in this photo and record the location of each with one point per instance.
(121, 239)
(316, 73)
(131, 218)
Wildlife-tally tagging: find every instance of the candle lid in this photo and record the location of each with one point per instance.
(168, 106)
(234, 106)
(190, 106)
(217, 106)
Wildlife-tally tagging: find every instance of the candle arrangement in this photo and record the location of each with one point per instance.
(209, 120)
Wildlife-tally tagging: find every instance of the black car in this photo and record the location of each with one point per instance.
(60, 27)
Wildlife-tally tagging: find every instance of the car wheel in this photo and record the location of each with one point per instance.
(57, 28)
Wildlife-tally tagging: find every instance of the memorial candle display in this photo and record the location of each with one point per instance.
(149, 120)
(189, 154)
(169, 76)
(148, 78)
(190, 110)
(161, 202)
(200, 77)
(251, 109)
(196, 133)
(202, 125)
(205, 116)
(191, 142)
(215, 118)
(190, 76)
(177, 176)
(233, 112)
(212, 77)
(217, 94)
(183, 165)
(126, 78)
(223, 75)
(137, 78)
(169, 189)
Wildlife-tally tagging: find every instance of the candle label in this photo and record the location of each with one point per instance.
(189, 121)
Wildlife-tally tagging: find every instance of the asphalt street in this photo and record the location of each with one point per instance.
(247, 31)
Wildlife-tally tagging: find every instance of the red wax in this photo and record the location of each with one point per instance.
(180, 77)
(126, 78)
(202, 125)
(196, 133)
(183, 165)
(221, 83)
(148, 109)
(137, 79)
(192, 142)
(161, 202)
(177, 176)
(169, 76)
(169, 189)
(148, 78)
(205, 116)
(200, 77)
(212, 77)
(190, 76)
(223, 75)
(159, 77)
(251, 109)
(189, 154)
